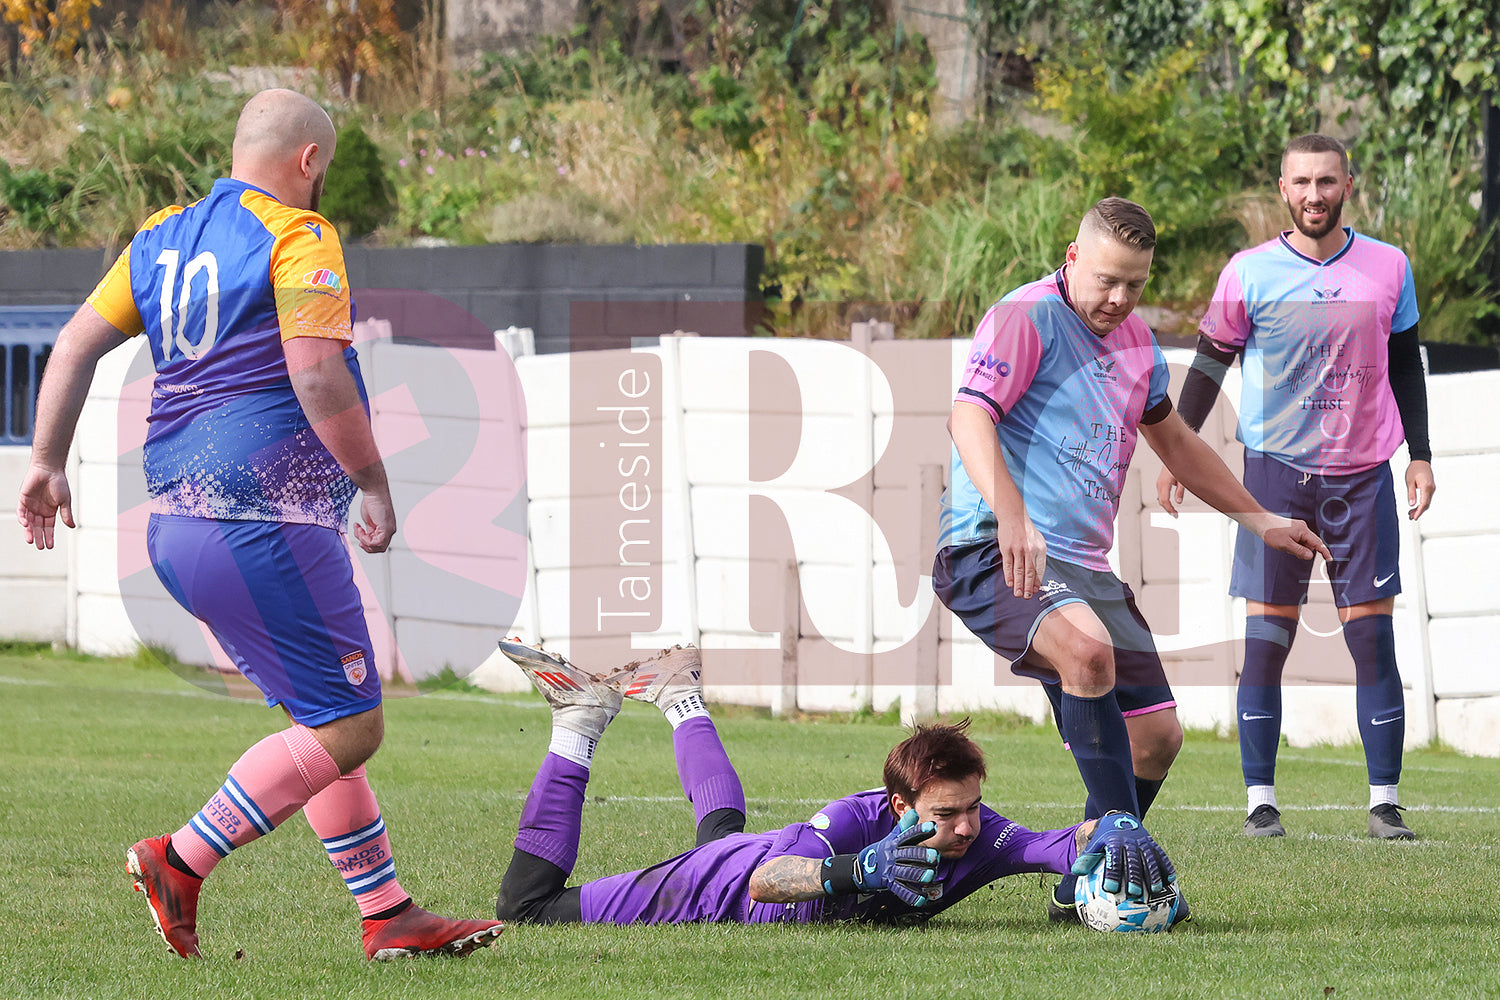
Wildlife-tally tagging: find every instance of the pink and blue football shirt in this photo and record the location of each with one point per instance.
(1315, 339)
(1066, 405)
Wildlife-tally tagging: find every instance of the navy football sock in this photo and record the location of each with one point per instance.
(1268, 641)
(1096, 731)
(1146, 790)
(1377, 697)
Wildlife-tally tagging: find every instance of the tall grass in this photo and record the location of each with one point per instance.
(1420, 202)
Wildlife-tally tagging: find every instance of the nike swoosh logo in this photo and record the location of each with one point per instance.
(1381, 722)
(1380, 581)
(1246, 716)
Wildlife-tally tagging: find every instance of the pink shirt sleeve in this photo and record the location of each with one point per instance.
(1003, 359)
(1226, 323)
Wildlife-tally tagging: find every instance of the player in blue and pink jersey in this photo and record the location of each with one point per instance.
(894, 855)
(1325, 322)
(257, 441)
(1062, 378)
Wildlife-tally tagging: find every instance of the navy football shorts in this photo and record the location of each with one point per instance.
(969, 580)
(1356, 517)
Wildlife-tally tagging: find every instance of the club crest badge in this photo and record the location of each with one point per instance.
(355, 670)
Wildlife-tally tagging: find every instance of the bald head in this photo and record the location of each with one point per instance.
(283, 143)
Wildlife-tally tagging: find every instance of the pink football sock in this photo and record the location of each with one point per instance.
(272, 780)
(346, 817)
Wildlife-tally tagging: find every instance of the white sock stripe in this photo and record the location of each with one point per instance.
(245, 802)
(367, 880)
(211, 835)
(689, 706)
(342, 843)
(572, 745)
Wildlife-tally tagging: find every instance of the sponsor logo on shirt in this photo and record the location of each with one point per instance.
(1103, 370)
(988, 365)
(323, 278)
(819, 822)
(1010, 828)
(355, 670)
(1327, 294)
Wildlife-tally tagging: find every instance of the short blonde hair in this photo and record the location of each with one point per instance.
(1125, 222)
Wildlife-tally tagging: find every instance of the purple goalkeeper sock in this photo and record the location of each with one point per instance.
(1101, 747)
(552, 818)
(1377, 695)
(708, 778)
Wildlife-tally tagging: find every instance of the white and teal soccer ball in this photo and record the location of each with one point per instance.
(1112, 911)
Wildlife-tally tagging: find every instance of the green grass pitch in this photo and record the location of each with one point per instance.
(96, 754)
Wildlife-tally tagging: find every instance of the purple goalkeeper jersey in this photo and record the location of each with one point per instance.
(711, 883)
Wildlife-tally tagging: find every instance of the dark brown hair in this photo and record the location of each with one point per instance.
(932, 752)
(1316, 142)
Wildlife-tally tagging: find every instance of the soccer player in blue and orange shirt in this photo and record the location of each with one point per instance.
(898, 854)
(1062, 378)
(258, 439)
(1325, 322)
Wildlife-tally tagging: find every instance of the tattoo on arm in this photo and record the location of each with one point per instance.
(787, 879)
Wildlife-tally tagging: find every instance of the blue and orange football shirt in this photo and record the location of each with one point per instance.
(216, 287)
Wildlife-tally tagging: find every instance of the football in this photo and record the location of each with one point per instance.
(1112, 911)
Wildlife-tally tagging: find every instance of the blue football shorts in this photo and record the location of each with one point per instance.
(281, 600)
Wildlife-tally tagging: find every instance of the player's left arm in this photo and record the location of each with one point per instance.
(1198, 467)
(313, 309)
(1409, 386)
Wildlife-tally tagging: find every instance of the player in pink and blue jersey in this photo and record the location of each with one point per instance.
(1324, 320)
(898, 854)
(1062, 379)
(257, 440)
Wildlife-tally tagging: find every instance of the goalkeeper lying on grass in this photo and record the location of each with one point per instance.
(893, 855)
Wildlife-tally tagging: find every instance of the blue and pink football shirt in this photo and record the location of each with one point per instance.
(1066, 405)
(1315, 339)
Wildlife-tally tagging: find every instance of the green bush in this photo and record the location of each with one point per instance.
(33, 197)
(357, 195)
(167, 148)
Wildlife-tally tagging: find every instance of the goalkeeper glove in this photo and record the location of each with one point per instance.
(1131, 857)
(894, 864)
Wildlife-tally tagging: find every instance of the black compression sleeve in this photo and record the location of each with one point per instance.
(1409, 386)
(838, 874)
(1201, 389)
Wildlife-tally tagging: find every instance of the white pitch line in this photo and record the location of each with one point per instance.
(606, 798)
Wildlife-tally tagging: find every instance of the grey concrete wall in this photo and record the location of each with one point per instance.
(474, 27)
(574, 297)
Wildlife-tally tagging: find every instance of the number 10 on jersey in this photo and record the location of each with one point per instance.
(174, 314)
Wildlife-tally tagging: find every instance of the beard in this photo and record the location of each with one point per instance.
(316, 195)
(1332, 218)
